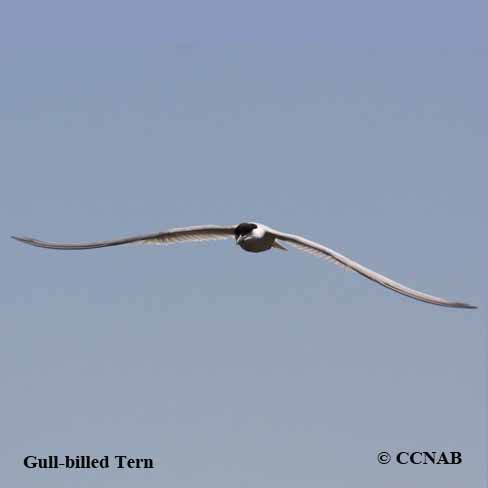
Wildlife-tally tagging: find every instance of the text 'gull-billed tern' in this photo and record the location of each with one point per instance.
(252, 237)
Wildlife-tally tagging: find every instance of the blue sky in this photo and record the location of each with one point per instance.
(359, 125)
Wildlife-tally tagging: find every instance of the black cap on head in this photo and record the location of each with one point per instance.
(244, 229)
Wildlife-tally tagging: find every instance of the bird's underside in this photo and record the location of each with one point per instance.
(253, 237)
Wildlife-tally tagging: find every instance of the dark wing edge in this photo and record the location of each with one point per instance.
(322, 251)
(171, 236)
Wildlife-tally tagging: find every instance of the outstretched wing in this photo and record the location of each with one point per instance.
(321, 251)
(172, 236)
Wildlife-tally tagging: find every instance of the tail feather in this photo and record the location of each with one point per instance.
(277, 245)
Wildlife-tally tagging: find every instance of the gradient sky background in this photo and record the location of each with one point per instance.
(361, 125)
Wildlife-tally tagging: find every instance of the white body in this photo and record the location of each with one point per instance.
(258, 240)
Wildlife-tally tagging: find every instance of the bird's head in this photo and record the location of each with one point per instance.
(243, 230)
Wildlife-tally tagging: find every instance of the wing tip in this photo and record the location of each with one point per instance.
(465, 305)
(25, 240)
(30, 241)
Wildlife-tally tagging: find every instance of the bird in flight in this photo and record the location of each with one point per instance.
(251, 237)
